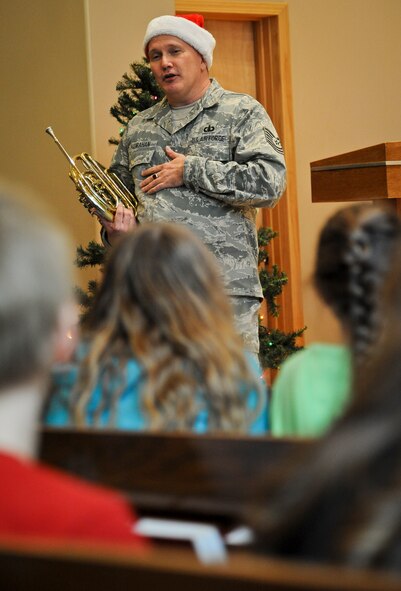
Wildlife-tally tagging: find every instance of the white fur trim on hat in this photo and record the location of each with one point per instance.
(184, 29)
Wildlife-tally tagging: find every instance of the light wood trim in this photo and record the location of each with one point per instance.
(274, 91)
(241, 10)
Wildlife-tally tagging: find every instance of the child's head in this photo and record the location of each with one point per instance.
(354, 253)
(162, 302)
(161, 285)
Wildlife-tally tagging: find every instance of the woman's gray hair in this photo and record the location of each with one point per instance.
(35, 281)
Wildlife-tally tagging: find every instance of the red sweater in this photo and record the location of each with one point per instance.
(36, 501)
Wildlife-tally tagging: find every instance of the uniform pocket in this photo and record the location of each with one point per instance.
(140, 158)
(217, 150)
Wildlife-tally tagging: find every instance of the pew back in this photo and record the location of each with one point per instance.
(170, 474)
(33, 567)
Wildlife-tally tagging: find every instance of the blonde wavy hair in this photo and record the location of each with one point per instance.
(162, 301)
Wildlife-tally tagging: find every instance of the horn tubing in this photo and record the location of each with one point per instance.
(98, 188)
(66, 154)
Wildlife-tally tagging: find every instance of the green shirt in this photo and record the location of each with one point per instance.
(311, 390)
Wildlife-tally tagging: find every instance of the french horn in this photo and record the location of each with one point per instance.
(100, 191)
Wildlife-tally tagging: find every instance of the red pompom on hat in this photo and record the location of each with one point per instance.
(195, 18)
(188, 27)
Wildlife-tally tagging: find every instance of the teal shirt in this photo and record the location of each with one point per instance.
(129, 413)
(311, 390)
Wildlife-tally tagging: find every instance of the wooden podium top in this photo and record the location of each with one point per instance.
(362, 175)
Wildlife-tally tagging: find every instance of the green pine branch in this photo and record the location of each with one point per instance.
(137, 91)
(272, 282)
(265, 236)
(85, 298)
(91, 256)
(276, 346)
(271, 279)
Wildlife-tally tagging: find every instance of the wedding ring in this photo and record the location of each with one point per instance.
(154, 175)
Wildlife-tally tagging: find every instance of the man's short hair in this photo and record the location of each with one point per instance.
(35, 281)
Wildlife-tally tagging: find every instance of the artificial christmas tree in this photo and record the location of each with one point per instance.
(137, 91)
(275, 345)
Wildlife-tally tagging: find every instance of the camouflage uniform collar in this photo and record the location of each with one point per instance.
(157, 110)
(210, 98)
(212, 95)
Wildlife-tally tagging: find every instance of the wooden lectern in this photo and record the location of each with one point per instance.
(362, 175)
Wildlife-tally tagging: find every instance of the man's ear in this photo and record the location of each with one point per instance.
(66, 335)
(203, 64)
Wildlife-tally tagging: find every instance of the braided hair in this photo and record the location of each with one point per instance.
(338, 499)
(354, 254)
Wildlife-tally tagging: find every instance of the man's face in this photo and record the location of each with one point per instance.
(178, 69)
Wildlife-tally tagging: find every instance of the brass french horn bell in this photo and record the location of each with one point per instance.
(98, 189)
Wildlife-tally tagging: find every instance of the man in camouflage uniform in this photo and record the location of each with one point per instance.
(204, 157)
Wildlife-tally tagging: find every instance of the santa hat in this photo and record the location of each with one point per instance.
(188, 27)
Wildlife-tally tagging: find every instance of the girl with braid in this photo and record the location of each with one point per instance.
(338, 500)
(354, 255)
(160, 349)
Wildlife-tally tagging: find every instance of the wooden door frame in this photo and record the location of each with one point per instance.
(274, 91)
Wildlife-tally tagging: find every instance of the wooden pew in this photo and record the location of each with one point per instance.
(25, 567)
(168, 474)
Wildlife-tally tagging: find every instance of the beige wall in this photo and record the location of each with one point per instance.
(116, 33)
(59, 65)
(346, 60)
(44, 82)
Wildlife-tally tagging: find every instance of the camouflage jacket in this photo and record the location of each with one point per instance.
(234, 164)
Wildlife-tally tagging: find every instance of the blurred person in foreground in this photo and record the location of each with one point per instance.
(339, 500)
(160, 350)
(35, 317)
